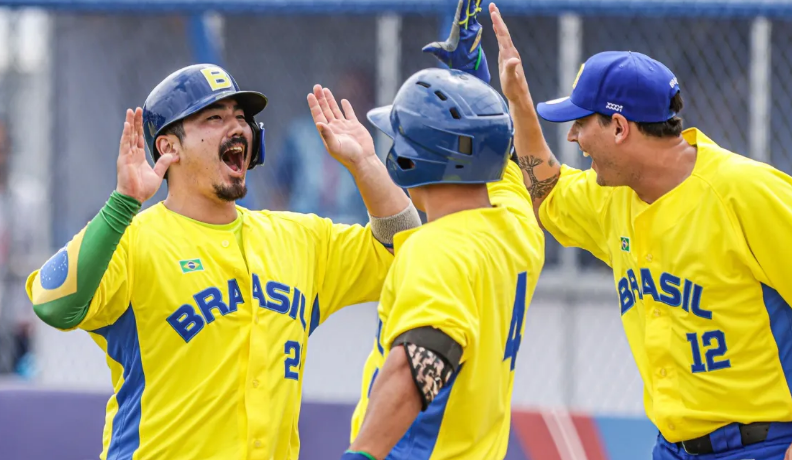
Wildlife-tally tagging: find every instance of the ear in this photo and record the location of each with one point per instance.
(621, 128)
(168, 144)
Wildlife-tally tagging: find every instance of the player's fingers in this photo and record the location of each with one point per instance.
(441, 51)
(499, 26)
(333, 104)
(459, 15)
(163, 163)
(316, 110)
(124, 141)
(472, 11)
(349, 112)
(320, 96)
(123, 147)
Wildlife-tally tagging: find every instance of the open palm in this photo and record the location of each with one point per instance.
(512, 75)
(344, 137)
(136, 178)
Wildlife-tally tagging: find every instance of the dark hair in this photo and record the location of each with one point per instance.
(669, 128)
(176, 128)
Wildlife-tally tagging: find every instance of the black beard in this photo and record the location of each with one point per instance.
(236, 191)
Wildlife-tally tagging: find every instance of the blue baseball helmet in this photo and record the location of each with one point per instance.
(190, 90)
(447, 127)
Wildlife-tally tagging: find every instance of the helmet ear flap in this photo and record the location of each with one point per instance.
(258, 150)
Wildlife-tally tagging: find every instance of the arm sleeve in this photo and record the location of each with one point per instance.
(511, 192)
(352, 269)
(434, 290)
(763, 206)
(573, 212)
(85, 284)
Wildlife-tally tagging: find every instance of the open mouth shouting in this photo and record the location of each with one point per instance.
(233, 155)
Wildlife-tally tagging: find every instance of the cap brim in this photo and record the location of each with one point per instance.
(252, 102)
(561, 110)
(380, 117)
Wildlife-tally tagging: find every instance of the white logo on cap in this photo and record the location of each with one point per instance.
(673, 82)
(614, 107)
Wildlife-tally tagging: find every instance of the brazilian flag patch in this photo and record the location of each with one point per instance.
(625, 244)
(192, 265)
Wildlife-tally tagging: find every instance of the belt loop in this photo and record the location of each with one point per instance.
(730, 438)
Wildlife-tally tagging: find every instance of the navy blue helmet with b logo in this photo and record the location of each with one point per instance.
(447, 127)
(190, 90)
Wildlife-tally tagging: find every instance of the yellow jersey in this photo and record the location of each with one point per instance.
(703, 277)
(470, 274)
(205, 338)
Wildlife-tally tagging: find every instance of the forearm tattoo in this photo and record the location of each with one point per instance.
(538, 189)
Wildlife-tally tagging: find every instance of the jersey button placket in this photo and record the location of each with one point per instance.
(255, 397)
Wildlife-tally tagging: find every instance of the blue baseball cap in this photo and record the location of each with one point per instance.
(632, 84)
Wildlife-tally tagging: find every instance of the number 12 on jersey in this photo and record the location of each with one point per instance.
(713, 351)
(518, 314)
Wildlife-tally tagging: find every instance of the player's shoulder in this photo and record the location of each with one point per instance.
(287, 218)
(731, 174)
(290, 221)
(149, 218)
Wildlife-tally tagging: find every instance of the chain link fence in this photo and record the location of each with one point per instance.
(63, 111)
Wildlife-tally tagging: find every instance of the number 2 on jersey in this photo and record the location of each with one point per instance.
(518, 314)
(292, 361)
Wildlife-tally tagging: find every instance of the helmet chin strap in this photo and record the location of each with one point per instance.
(258, 151)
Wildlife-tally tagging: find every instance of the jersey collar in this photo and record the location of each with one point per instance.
(694, 136)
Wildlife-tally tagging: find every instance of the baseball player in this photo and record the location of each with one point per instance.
(204, 308)
(439, 379)
(696, 236)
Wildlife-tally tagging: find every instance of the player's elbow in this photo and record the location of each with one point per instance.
(48, 313)
(60, 313)
(536, 205)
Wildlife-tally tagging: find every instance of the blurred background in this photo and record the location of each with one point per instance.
(69, 69)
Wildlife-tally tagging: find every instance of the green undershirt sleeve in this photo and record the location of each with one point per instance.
(102, 236)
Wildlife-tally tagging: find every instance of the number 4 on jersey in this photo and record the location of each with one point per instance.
(518, 314)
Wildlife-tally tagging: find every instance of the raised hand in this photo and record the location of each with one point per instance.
(136, 178)
(344, 137)
(512, 74)
(462, 49)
